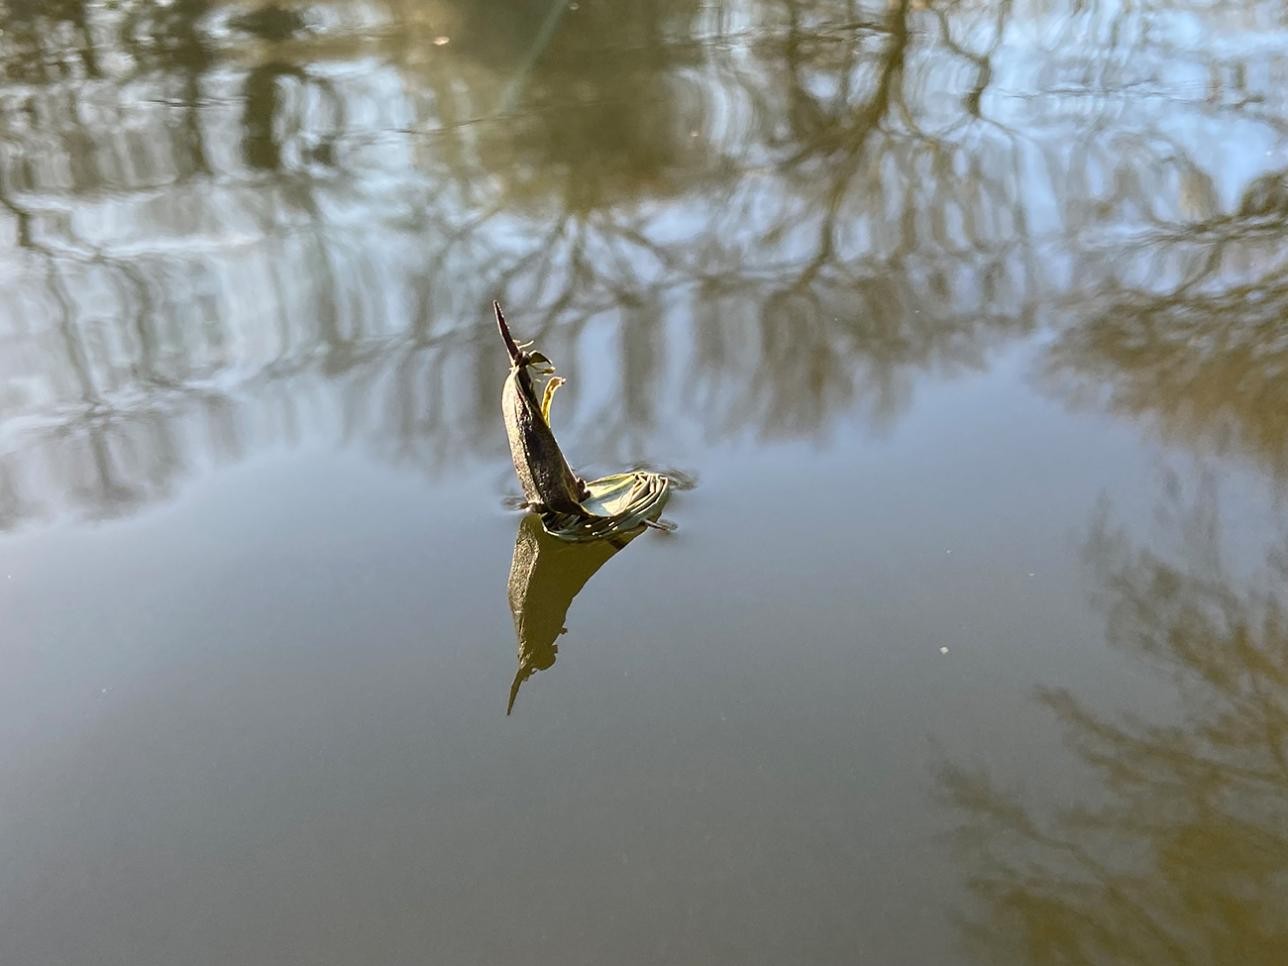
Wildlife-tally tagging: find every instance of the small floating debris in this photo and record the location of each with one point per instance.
(943, 648)
(442, 41)
(570, 508)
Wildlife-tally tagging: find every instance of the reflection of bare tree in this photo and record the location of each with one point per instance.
(246, 223)
(1190, 333)
(1183, 856)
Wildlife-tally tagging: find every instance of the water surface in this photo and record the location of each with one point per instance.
(970, 321)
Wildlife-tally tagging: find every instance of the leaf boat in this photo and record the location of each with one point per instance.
(570, 508)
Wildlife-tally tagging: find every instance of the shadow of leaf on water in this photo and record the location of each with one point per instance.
(546, 573)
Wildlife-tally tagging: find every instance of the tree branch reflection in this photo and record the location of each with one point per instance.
(1179, 852)
(242, 224)
(1187, 333)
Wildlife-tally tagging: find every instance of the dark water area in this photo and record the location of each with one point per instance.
(968, 320)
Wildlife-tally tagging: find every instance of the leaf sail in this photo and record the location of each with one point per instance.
(570, 508)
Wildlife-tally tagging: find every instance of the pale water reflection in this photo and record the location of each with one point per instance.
(916, 288)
